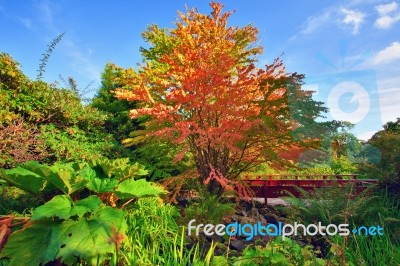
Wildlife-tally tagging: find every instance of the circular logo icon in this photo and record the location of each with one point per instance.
(359, 96)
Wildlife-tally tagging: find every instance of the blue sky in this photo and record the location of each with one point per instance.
(348, 50)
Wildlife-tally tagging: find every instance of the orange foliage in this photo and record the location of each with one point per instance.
(201, 88)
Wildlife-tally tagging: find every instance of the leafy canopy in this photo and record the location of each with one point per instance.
(200, 88)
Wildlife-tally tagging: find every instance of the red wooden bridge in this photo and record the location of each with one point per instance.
(276, 186)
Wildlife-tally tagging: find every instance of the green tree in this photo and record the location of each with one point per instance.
(158, 155)
(387, 141)
(117, 122)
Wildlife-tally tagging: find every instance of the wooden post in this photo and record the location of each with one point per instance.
(265, 193)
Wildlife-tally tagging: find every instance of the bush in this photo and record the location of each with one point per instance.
(279, 252)
(336, 206)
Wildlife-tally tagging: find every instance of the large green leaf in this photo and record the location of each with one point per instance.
(36, 167)
(68, 178)
(30, 246)
(137, 189)
(86, 205)
(62, 206)
(59, 206)
(28, 177)
(82, 238)
(101, 185)
(119, 169)
(93, 238)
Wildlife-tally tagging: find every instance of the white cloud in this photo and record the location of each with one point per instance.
(388, 15)
(389, 54)
(81, 60)
(314, 22)
(353, 18)
(387, 8)
(387, 21)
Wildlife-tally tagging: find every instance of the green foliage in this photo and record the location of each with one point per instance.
(259, 170)
(41, 122)
(338, 154)
(333, 166)
(117, 122)
(119, 168)
(25, 177)
(60, 206)
(40, 103)
(316, 169)
(367, 250)
(342, 143)
(103, 176)
(343, 165)
(136, 189)
(154, 238)
(337, 206)
(85, 230)
(158, 156)
(387, 142)
(208, 209)
(71, 227)
(15, 200)
(279, 252)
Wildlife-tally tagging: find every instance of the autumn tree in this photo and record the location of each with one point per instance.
(200, 88)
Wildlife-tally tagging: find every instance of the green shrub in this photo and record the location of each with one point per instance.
(278, 252)
(208, 209)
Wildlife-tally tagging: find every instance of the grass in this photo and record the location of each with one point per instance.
(371, 208)
(154, 238)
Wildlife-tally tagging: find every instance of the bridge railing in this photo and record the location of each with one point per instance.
(269, 186)
(304, 176)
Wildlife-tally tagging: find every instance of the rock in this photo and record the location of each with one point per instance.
(238, 245)
(271, 219)
(250, 217)
(215, 238)
(182, 202)
(246, 205)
